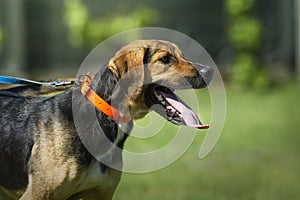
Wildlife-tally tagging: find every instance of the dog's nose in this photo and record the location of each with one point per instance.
(203, 76)
(206, 73)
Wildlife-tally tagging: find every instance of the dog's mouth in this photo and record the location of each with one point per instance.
(163, 101)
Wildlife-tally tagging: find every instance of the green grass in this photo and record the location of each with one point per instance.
(257, 156)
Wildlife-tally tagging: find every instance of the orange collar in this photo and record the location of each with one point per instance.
(100, 103)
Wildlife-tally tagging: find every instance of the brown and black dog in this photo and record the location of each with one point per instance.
(42, 155)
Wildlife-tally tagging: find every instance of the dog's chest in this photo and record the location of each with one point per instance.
(94, 176)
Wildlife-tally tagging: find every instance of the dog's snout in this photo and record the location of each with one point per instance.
(206, 72)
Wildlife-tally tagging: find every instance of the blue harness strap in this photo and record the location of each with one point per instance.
(21, 81)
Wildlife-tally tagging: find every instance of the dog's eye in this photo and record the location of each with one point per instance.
(165, 59)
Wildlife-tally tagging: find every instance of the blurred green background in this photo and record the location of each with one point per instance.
(255, 44)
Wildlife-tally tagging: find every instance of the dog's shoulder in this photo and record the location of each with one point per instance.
(13, 138)
(16, 137)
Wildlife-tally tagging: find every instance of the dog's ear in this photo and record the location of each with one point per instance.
(128, 67)
(126, 59)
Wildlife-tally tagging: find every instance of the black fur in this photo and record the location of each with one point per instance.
(147, 56)
(16, 140)
(22, 117)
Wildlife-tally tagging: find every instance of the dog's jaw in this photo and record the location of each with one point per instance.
(137, 107)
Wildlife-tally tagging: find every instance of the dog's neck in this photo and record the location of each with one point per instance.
(94, 128)
(104, 85)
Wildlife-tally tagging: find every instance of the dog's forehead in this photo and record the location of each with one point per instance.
(153, 45)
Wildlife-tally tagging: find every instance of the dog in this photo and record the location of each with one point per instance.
(42, 155)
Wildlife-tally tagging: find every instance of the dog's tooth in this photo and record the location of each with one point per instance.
(179, 114)
(170, 111)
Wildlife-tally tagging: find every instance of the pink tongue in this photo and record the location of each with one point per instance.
(189, 116)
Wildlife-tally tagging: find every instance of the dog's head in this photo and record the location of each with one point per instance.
(162, 68)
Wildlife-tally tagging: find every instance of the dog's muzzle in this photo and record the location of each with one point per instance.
(203, 77)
